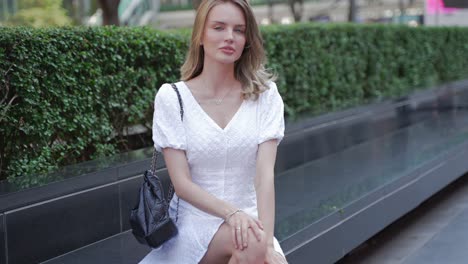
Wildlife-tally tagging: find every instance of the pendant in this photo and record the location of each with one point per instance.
(218, 101)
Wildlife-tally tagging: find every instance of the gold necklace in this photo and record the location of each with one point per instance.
(220, 100)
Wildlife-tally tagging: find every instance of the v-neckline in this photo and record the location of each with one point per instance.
(210, 119)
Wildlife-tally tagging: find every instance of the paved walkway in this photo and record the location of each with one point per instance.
(434, 233)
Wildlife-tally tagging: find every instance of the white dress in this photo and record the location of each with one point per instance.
(222, 161)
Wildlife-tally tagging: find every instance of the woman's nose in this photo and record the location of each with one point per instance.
(229, 35)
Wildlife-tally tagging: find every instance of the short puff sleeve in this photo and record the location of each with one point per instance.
(168, 128)
(271, 115)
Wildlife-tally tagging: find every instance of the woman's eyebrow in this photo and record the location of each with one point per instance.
(224, 23)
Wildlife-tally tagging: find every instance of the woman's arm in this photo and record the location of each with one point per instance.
(176, 163)
(186, 189)
(265, 187)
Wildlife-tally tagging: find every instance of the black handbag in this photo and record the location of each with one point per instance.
(150, 221)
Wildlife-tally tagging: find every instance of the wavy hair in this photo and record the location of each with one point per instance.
(249, 69)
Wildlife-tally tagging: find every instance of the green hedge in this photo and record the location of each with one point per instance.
(74, 90)
(332, 66)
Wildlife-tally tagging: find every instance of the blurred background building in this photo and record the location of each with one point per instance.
(446, 12)
(180, 13)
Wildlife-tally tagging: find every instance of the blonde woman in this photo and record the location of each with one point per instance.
(221, 157)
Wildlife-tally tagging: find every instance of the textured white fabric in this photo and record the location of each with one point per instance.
(222, 161)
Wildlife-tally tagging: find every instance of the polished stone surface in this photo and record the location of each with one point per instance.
(53, 228)
(123, 162)
(13, 200)
(3, 257)
(120, 249)
(436, 232)
(322, 186)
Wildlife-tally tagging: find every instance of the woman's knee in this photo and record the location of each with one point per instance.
(255, 251)
(220, 248)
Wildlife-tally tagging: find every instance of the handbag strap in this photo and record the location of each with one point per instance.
(156, 154)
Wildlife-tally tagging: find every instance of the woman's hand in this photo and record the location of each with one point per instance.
(274, 257)
(240, 223)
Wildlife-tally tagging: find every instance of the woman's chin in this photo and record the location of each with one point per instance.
(225, 59)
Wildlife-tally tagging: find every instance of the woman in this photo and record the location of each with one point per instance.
(221, 157)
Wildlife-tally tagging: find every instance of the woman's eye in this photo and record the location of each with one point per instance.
(218, 28)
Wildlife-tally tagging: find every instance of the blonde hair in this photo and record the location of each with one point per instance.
(249, 69)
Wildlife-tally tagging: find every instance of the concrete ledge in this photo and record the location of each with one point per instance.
(340, 233)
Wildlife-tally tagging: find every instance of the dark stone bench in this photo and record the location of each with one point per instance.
(340, 178)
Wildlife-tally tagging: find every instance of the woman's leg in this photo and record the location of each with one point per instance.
(222, 250)
(220, 247)
(232, 260)
(255, 252)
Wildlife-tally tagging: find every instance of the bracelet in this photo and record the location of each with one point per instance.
(231, 214)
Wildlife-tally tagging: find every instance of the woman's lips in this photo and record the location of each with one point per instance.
(227, 50)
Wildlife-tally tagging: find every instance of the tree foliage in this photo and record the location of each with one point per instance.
(39, 13)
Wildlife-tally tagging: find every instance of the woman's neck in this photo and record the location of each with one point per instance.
(217, 77)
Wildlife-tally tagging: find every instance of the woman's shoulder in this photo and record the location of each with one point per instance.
(270, 91)
(272, 87)
(163, 90)
(166, 93)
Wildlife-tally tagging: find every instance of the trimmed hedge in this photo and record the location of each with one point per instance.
(332, 66)
(73, 91)
(76, 89)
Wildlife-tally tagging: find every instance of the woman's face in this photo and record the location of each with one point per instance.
(224, 34)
